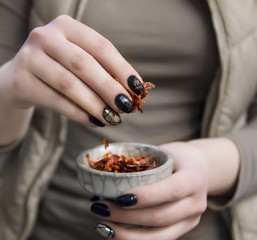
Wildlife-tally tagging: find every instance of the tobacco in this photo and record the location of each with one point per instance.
(106, 143)
(137, 99)
(121, 164)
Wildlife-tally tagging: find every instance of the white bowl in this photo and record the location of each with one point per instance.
(110, 185)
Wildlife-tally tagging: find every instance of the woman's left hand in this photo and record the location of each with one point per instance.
(168, 209)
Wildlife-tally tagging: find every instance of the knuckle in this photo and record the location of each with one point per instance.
(65, 82)
(37, 35)
(24, 55)
(62, 20)
(103, 45)
(78, 62)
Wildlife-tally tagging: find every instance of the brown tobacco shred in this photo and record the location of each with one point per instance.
(121, 164)
(137, 98)
(106, 143)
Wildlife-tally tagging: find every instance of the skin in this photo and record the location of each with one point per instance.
(65, 66)
(174, 206)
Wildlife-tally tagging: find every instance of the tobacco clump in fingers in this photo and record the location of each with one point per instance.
(137, 99)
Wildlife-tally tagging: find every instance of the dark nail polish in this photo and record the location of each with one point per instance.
(135, 85)
(124, 103)
(101, 209)
(95, 198)
(95, 121)
(111, 116)
(105, 231)
(126, 200)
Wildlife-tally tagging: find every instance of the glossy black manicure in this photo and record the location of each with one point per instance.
(135, 85)
(95, 121)
(101, 209)
(95, 198)
(126, 200)
(124, 103)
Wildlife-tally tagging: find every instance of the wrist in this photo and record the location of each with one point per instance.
(223, 164)
(14, 116)
(9, 92)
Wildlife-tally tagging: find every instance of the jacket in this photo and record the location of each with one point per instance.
(231, 104)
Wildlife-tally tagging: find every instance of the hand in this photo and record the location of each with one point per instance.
(66, 66)
(168, 208)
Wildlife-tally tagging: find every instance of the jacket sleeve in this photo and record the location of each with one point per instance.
(13, 18)
(246, 141)
(13, 32)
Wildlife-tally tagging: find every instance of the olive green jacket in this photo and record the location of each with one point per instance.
(232, 104)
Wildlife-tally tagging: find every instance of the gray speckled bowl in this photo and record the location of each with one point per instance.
(110, 185)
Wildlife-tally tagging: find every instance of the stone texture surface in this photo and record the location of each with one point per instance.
(110, 185)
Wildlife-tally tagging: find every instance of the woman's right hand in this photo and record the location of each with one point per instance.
(70, 68)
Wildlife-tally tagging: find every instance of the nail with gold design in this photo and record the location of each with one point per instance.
(105, 231)
(135, 85)
(111, 116)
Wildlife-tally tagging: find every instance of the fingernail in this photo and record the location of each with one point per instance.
(124, 103)
(95, 121)
(111, 116)
(126, 200)
(105, 231)
(135, 85)
(101, 209)
(94, 198)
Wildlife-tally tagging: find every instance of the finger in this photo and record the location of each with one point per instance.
(69, 85)
(99, 47)
(39, 93)
(91, 72)
(179, 185)
(162, 215)
(114, 231)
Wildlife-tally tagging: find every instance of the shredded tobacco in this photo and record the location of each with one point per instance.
(106, 143)
(121, 164)
(138, 99)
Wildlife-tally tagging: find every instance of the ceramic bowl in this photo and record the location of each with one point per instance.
(109, 185)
